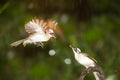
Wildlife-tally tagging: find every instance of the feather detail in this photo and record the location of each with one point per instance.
(34, 26)
(14, 44)
(39, 25)
(52, 24)
(91, 58)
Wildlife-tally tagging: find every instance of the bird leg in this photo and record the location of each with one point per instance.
(39, 44)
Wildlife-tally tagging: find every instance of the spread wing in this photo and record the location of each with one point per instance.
(35, 26)
(51, 24)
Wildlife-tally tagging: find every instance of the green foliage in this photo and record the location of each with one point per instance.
(92, 35)
(40, 71)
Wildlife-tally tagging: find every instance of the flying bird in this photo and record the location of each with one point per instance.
(85, 60)
(39, 31)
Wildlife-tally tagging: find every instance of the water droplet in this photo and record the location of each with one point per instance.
(10, 55)
(67, 61)
(52, 52)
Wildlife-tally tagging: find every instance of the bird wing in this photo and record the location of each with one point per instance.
(90, 57)
(35, 26)
(51, 24)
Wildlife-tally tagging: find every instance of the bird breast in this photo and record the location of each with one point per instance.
(84, 60)
(38, 37)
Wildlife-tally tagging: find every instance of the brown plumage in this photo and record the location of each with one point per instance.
(39, 31)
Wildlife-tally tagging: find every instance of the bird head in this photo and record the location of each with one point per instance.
(75, 50)
(51, 33)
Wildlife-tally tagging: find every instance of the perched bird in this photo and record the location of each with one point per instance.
(85, 60)
(39, 31)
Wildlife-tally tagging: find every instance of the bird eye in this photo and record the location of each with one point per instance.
(75, 49)
(52, 34)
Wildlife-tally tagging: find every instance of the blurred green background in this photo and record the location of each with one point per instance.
(91, 25)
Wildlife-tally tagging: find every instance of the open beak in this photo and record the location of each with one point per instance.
(71, 47)
(53, 35)
(74, 49)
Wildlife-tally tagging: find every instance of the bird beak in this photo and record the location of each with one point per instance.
(74, 49)
(53, 35)
(71, 47)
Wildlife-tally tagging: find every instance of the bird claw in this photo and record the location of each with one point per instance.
(39, 44)
(24, 44)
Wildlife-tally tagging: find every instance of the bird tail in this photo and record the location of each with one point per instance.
(14, 44)
(96, 74)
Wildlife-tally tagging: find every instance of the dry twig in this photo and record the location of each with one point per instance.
(93, 69)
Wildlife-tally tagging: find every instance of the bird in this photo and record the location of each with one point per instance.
(85, 60)
(39, 31)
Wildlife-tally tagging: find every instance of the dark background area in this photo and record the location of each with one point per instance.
(91, 25)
